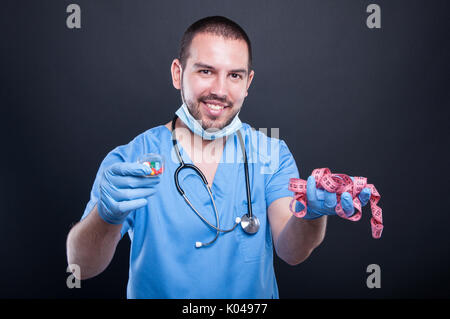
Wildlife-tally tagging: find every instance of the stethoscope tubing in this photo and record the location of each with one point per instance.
(183, 165)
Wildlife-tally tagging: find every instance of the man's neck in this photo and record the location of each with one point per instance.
(196, 142)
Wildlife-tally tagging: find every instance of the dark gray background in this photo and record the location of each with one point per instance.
(364, 102)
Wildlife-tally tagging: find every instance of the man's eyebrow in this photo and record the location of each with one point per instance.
(203, 66)
(244, 71)
(206, 66)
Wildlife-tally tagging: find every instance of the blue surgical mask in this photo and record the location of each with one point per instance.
(210, 134)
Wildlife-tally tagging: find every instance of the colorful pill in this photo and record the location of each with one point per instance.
(146, 164)
(154, 162)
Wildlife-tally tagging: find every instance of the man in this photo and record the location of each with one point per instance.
(213, 73)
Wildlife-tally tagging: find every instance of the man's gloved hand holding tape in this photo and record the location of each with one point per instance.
(325, 193)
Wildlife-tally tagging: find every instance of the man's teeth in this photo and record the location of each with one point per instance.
(215, 107)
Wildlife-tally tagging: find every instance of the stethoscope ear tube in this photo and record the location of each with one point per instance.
(180, 190)
(179, 168)
(247, 181)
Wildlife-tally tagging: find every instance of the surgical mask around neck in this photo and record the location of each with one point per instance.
(210, 134)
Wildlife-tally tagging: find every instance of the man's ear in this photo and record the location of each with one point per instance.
(175, 69)
(249, 81)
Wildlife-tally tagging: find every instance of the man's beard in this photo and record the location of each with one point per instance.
(208, 124)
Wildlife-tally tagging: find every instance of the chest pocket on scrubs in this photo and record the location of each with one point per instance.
(254, 247)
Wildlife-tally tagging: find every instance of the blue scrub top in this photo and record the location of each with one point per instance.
(164, 262)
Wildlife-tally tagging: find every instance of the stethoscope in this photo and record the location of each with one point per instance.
(249, 223)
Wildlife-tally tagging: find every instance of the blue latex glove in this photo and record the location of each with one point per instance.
(123, 188)
(321, 202)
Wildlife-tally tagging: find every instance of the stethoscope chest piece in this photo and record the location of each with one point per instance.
(250, 224)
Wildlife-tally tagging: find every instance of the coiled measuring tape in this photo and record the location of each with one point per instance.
(340, 183)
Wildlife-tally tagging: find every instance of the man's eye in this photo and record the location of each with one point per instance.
(207, 72)
(236, 76)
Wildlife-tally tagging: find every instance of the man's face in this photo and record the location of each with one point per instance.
(215, 79)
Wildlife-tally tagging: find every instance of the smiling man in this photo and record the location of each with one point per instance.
(210, 231)
(216, 78)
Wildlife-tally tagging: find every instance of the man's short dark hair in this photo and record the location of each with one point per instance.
(217, 25)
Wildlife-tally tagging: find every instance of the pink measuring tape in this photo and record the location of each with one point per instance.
(340, 183)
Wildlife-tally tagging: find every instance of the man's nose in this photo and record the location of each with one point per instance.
(219, 86)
